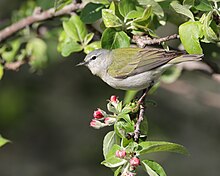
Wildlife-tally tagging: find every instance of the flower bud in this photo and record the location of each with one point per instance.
(120, 154)
(98, 114)
(135, 161)
(114, 98)
(96, 124)
(110, 120)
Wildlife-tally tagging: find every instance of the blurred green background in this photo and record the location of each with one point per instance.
(46, 116)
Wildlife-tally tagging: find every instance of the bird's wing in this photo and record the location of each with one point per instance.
(134, 61)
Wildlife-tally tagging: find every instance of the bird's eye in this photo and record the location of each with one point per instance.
(93, 58)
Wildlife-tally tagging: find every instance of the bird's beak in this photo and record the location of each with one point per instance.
(81, 63)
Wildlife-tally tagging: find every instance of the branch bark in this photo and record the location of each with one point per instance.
(36, 17)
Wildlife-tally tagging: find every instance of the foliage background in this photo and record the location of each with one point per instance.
(47, 115)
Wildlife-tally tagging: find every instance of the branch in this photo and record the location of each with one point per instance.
(36, 17)
(142, 41)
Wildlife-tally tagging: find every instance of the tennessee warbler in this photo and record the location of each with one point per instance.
(133, 68)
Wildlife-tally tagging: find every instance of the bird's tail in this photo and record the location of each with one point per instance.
(186, 58)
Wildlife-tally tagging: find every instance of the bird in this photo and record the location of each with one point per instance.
(133, 68)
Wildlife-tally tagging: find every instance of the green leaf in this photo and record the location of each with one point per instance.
(59, 4)
(190, 32)
(70, 46)
(171, 75)
(160, 146)
(118, 171)
(157, 10)
(1, 71)
(110, 19)
(75, 28)
(125, 6)
(3, 141)
(105, 2)
(112, 39)
(109, 140)
(122, 127)
(91, 13)
(209, 34)
(203, 5)
(153, 168)
(129, 95)
(88, 38)
(111, 160)
(188, 3)
(10, 55)
(37, 49)
(182, 9)
(92, 46)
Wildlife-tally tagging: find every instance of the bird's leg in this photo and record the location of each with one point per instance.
(141, 104)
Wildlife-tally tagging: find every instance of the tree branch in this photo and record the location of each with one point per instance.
(36, 17)
(142, 41)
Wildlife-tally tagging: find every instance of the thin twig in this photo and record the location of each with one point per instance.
(142, 41)
(36, 17)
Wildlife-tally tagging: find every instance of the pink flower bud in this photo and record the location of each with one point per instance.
(120, 153)
(135, 161)
(96, 124)
(109, 120)
(98, 114)
(114, 98)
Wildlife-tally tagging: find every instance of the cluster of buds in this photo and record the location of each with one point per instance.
(101, 118)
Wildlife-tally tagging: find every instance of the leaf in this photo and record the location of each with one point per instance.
(118, 171)
(190, 32)
(92, 46)
(111, 160)
(10, 55)
(153, 168)
(75, 28)
(88, 38)
(1, 71)
(125, 6)
(112, 39)
(110, 19)
(91, 13)
(182, 9)
(123, 127)
(59, 4)
(188, 3)
(129, 95)
(203, 5)
(171, 75)
(160, 146)
(157, 10)
(70, 46)
(105, 2)
(3, 141)
(109, 140)
(37, 49)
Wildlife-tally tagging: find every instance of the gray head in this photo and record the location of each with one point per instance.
(97, 61)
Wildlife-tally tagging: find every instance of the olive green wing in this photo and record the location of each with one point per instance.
(138, 60)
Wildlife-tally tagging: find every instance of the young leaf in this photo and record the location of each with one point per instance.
(1, 71)
(171, 75)
(109, 140)
(125, 6)
(59, 4)
(118, 171)
(182, 9)
(70, 46)
(190, 32)
(92, 46)
(110, 19)
(3, 141)
(112, 39)
(160, 146)
(88, 38)
(111, 160)
(157, 10)
(153, 168)
(188, 3)
(91, 13)
(129, 95)
(75, 28)
(10, 55)
(37, 50)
